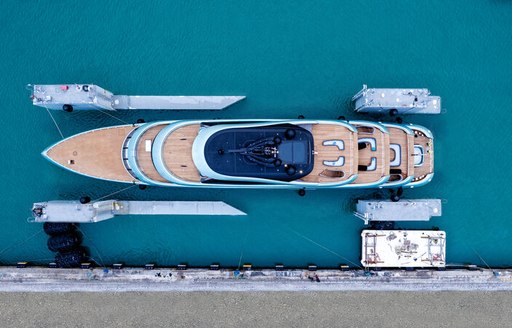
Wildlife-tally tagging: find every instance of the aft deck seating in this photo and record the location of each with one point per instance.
(373, 165)
(338, 143)
(371, 141)
(339, 162)
(341, 159)
(333, 141)
(418, 155)
(373, 146)
(398, 153)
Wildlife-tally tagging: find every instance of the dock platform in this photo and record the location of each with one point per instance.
(69, 97)
(76, 212)
(399, 101)
(403, 210)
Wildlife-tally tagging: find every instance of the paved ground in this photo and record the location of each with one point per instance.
(257, 309)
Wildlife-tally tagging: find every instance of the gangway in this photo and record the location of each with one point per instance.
(76, 212)
(70, 97)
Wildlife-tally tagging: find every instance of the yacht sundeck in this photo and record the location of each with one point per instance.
(253, 154)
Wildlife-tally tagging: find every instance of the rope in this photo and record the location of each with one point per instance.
(323, 247)
(95, 248)
(243, 247)
(240, 259)
(115, 192)
(55, 122)
(481, 259)
(117, 118)
(21, 242)
(474, 251)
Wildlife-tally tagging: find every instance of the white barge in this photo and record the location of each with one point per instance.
(403, 249)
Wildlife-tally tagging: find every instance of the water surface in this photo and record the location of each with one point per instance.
(304, 58)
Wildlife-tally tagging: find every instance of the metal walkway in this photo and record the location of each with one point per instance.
(71, 97)
(74, 211)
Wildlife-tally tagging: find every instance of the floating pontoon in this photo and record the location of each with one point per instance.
(403, 210)
(396, 101)
(69, 97)
(74, 211)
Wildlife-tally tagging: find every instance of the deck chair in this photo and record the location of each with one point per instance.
(371, 141)
(418, 155)
(339, 162)
(371, 167)
(398, 154)
(338, 143)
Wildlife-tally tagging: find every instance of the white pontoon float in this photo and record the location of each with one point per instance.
(76, 212)
(403, 210)
(69, 97)
(396, 101)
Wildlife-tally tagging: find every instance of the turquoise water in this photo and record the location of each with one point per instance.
(288, 58)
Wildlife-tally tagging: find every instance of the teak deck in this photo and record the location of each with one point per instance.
(323, 132)
(177, 153)
(98, 153)
(428, 158)
(406, 142)
(95, 153)
(381, 154)
(144, 158)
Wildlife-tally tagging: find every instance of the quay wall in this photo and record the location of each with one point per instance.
(44, 279)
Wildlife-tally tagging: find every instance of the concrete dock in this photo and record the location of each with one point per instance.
(133, 297)
(165, 279)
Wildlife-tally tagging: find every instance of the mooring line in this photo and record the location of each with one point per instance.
(21, 242)
(117, 118)
(93, 245)
(323, 247)
(55, 122)
(481, 259)
(243, 247)
(115, 192)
